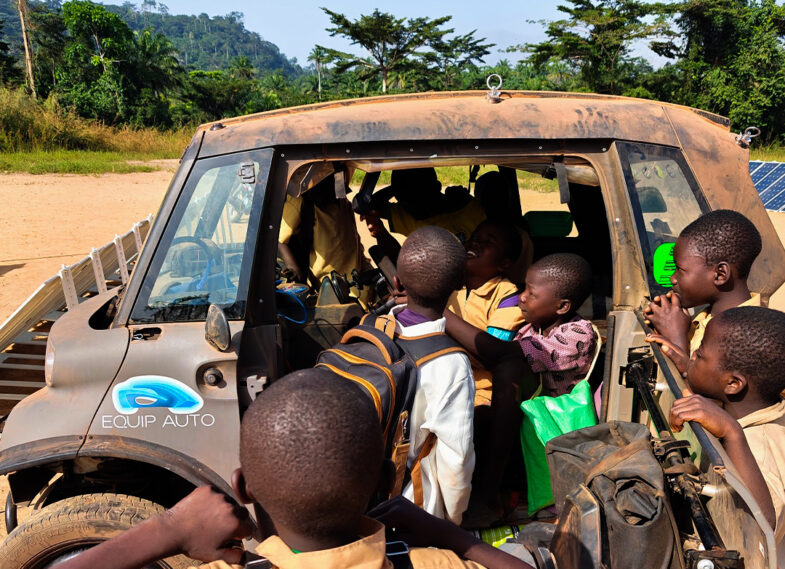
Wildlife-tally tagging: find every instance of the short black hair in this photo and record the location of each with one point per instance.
(570, 274)
(431, 265)
(724, 235)
(752, 342)
(513, 243)
(311, 450)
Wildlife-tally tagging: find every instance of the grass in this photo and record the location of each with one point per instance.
(71, 162)
(769, 153)
(459, 176)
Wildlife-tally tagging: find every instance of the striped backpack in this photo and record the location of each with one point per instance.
(385, 365)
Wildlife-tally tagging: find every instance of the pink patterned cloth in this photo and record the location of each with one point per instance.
(563, 357)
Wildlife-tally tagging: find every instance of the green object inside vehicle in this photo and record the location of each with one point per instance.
(662, 264)
(548, 223)
(543, 419)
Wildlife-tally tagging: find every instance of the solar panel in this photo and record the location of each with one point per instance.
(763, 171)
(773, 194)
(754, 165)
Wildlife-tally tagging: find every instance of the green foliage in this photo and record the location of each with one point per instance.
(9, 72)
(596, 38)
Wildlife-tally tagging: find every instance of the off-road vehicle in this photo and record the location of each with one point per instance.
(146, 383)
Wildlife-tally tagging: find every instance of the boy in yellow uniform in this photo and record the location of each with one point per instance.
(713, 256)
(736, 377)
(311, 450)
(332, 232)
(489, 300)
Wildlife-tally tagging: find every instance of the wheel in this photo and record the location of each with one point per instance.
(69, 526)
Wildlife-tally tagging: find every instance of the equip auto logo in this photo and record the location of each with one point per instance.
(155, 391)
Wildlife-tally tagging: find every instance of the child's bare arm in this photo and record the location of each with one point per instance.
(720, 424)
(487, 348)
(420, 529)
(671, 321)
(200, 525)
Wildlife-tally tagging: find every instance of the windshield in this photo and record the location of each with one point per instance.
(207, 246)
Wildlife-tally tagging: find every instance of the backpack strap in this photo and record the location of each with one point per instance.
(383, 322)
(379, 338)
(423, 349)
(426, 449)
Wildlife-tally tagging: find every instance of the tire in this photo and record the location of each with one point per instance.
(68, 526)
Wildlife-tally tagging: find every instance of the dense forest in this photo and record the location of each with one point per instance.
(138, 65)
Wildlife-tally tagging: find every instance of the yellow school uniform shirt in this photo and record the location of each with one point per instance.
(368, 552)
(336, 243)
(461, 223)
(765, 433)
(493, 307)
(702, 318)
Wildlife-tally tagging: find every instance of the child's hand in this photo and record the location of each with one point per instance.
(666, 315)
(204, 524)
(375, 224)
(711, 416)
(407, 522)
(677, 355)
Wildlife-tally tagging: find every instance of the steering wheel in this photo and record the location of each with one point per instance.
(213, 253)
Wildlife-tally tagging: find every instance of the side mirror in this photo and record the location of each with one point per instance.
(216, 329)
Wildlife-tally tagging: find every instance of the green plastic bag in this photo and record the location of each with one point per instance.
(543, 419)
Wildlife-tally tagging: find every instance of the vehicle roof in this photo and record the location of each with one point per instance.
(456, 115)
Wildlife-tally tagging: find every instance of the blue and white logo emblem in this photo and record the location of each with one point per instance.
(146, 391)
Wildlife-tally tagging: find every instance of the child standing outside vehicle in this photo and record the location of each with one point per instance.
(713, 256)
(556, 343)
(430, 267)
(489, 301)
(736, 377)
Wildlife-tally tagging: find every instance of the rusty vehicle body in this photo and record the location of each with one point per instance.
(70, 438)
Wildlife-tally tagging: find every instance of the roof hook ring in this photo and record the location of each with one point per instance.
(494, 95)
(745, 138)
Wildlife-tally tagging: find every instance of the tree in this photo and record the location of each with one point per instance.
(454, 55)
(9, 72)
(241, 68)
(23, 10)
(157, 67)
(320, 57)
(48, 37)
(596, 38)
(391, 43)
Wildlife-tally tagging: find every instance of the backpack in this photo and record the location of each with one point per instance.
(385, 365)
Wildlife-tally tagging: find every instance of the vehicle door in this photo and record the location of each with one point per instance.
(175, 397)
(662, 198)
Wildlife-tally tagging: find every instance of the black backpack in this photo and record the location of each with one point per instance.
(385, 366)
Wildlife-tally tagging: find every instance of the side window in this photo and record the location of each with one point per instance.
(206, 250)
(665, 199)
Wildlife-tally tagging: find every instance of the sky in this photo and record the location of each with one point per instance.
(295, 26)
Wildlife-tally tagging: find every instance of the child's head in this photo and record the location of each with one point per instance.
(431, 265)
(742, 355)
(556, 286)
(311, 452)
(492, 249)
(710, 253)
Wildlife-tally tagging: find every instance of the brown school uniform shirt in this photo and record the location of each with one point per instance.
(765, 433)
(368, 552)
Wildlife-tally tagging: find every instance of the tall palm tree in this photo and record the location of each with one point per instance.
(319, 56)
(23, 8)
(158, 66)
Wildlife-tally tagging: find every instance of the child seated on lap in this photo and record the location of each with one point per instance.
(311, 451)
(713, 256)
(556, 343)
(489, 301)
(737, 376)
(430, 267)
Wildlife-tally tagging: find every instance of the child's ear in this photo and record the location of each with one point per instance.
(722, 273)
(398, 284)
(565, 307)
(386, 478)
(735, 383)
(505, 264)
(240, 487)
